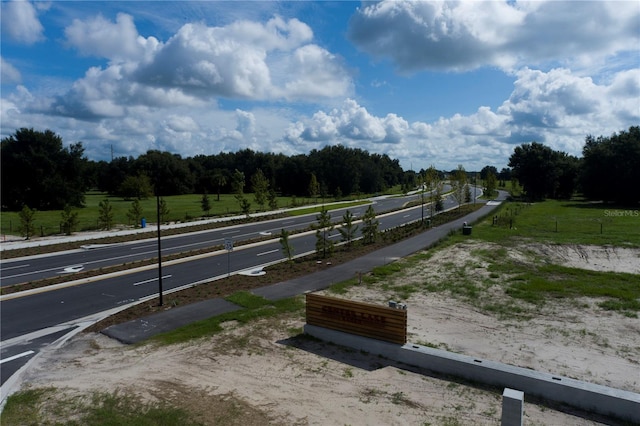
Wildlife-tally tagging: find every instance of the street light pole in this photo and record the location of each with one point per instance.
(159, 251)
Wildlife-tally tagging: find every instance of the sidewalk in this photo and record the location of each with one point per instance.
(143, 328)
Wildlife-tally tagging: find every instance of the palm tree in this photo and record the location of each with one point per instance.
(220, 178)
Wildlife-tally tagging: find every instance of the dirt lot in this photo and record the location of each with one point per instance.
(269, 372)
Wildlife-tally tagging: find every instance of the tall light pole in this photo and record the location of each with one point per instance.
(422, 199)
(159, 248)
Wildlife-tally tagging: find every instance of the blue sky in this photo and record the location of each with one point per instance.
(429, 83)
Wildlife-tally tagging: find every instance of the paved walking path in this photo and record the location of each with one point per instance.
(143, 328)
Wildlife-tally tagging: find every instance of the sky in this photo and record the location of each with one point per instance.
(426, 82)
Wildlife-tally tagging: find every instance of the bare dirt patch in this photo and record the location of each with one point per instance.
(270, 374)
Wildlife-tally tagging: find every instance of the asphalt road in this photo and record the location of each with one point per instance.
(16, 271)
(30, 322)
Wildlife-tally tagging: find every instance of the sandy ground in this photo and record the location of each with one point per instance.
(268, 372)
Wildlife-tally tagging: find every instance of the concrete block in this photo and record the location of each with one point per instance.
(512, 407)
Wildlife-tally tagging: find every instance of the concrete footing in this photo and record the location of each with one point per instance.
(590, 397)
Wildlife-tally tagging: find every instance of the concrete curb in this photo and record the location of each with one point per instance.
(591, 397)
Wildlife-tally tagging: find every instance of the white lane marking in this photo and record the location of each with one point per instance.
(15, 267)
(267, 252)
(11, 358)
(141, 247)
(406, 215)
(288, 222)
(72, 269)
(231, 232)
(151, 280)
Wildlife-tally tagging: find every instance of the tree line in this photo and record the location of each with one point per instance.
(608, 171)
(39, 172)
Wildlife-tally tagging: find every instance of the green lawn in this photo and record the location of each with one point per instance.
(576, 222)
(181, 208)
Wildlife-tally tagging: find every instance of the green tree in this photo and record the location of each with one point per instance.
(220, 178)
(486, 170)
(314, 186)
(287, 249)
(27, 225)
(164, 210)
(169, 173)
(272, 199)
(38, 171)
(136, 187)
(543, 172)
(369, 226)
(205, 203)
(135, 213)
(348, 229)
(324, 245)
(244, 203)
(69, 220)
(432, 183)
(260, 186)
(458, 184)
(237, 182)
(490, 184)
(105, 215)
(611, 167)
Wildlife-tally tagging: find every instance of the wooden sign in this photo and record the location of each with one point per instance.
(363, 319)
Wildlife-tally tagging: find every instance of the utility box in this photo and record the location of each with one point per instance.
(466, 230)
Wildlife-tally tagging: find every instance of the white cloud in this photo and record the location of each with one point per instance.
(20, 22)
(102, 38)
(557, 108)
(446, 35)
(9, 73)
(269, 61)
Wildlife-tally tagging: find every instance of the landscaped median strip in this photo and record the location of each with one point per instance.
(88, 280)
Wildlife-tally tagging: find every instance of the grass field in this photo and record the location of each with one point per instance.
(181, 208)
(576, 222)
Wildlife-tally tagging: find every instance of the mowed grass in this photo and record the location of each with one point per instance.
(563, 222)
(251, 308)
(182, 208)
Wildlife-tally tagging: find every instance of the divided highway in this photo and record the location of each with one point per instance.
(29, 322)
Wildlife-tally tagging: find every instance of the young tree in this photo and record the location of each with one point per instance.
(490, 184)
(27, 227)
(369, 226)
(135, 213)
(69, 220)
(272, 199)
(314, 186)
(324, 245)
(260, 186)
(237, 182)
(458, 183)
(432, 182)
(244, 203)
(164, 210)
(105, 215)
(205, 203)
(287, 249)
(348, 229)
(467, 194)
(220, 178)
